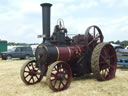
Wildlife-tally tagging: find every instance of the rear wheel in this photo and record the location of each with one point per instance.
(104, 61)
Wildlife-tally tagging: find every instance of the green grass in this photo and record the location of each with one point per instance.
(12, 85)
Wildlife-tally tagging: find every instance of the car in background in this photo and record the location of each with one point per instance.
(120, 51)
(126, 47)
(21, 52)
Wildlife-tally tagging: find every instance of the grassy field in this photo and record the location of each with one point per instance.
(11, 84)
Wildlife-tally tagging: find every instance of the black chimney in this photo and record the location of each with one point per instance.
(46, 21)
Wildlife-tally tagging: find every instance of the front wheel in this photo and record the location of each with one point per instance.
(30, 74)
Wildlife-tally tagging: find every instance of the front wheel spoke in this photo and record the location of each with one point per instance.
(26, 76)
(30, 79)
(37, 77)
(33, 79)
(38, 73)
(26, 71)
(33, 67)
(28, 68)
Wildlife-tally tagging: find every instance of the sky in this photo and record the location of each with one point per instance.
(21, 20)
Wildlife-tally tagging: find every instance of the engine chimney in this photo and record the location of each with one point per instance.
(46, 21)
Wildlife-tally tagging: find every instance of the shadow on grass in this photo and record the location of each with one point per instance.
(85, 77)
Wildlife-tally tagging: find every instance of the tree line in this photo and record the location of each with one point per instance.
(122, 43)
(18, 44)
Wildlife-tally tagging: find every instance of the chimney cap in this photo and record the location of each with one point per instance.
(45, 4)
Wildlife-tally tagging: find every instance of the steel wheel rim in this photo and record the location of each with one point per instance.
(30, 74)
(107, 62)
(59, 76)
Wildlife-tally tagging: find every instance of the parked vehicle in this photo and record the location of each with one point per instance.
(122, 54)
(120, 51)
(126, 47)
(17, 52)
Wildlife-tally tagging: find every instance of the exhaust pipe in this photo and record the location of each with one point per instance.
(46, 21)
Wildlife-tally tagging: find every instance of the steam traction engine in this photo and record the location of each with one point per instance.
(59, 57)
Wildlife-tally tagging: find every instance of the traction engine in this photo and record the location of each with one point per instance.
(60, 57)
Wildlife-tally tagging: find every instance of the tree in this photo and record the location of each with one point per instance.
(124, 43)
(117, 42)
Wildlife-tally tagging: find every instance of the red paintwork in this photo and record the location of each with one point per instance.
(69, 53)
(79, 38)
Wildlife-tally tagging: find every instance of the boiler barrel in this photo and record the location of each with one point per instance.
(52, 53)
